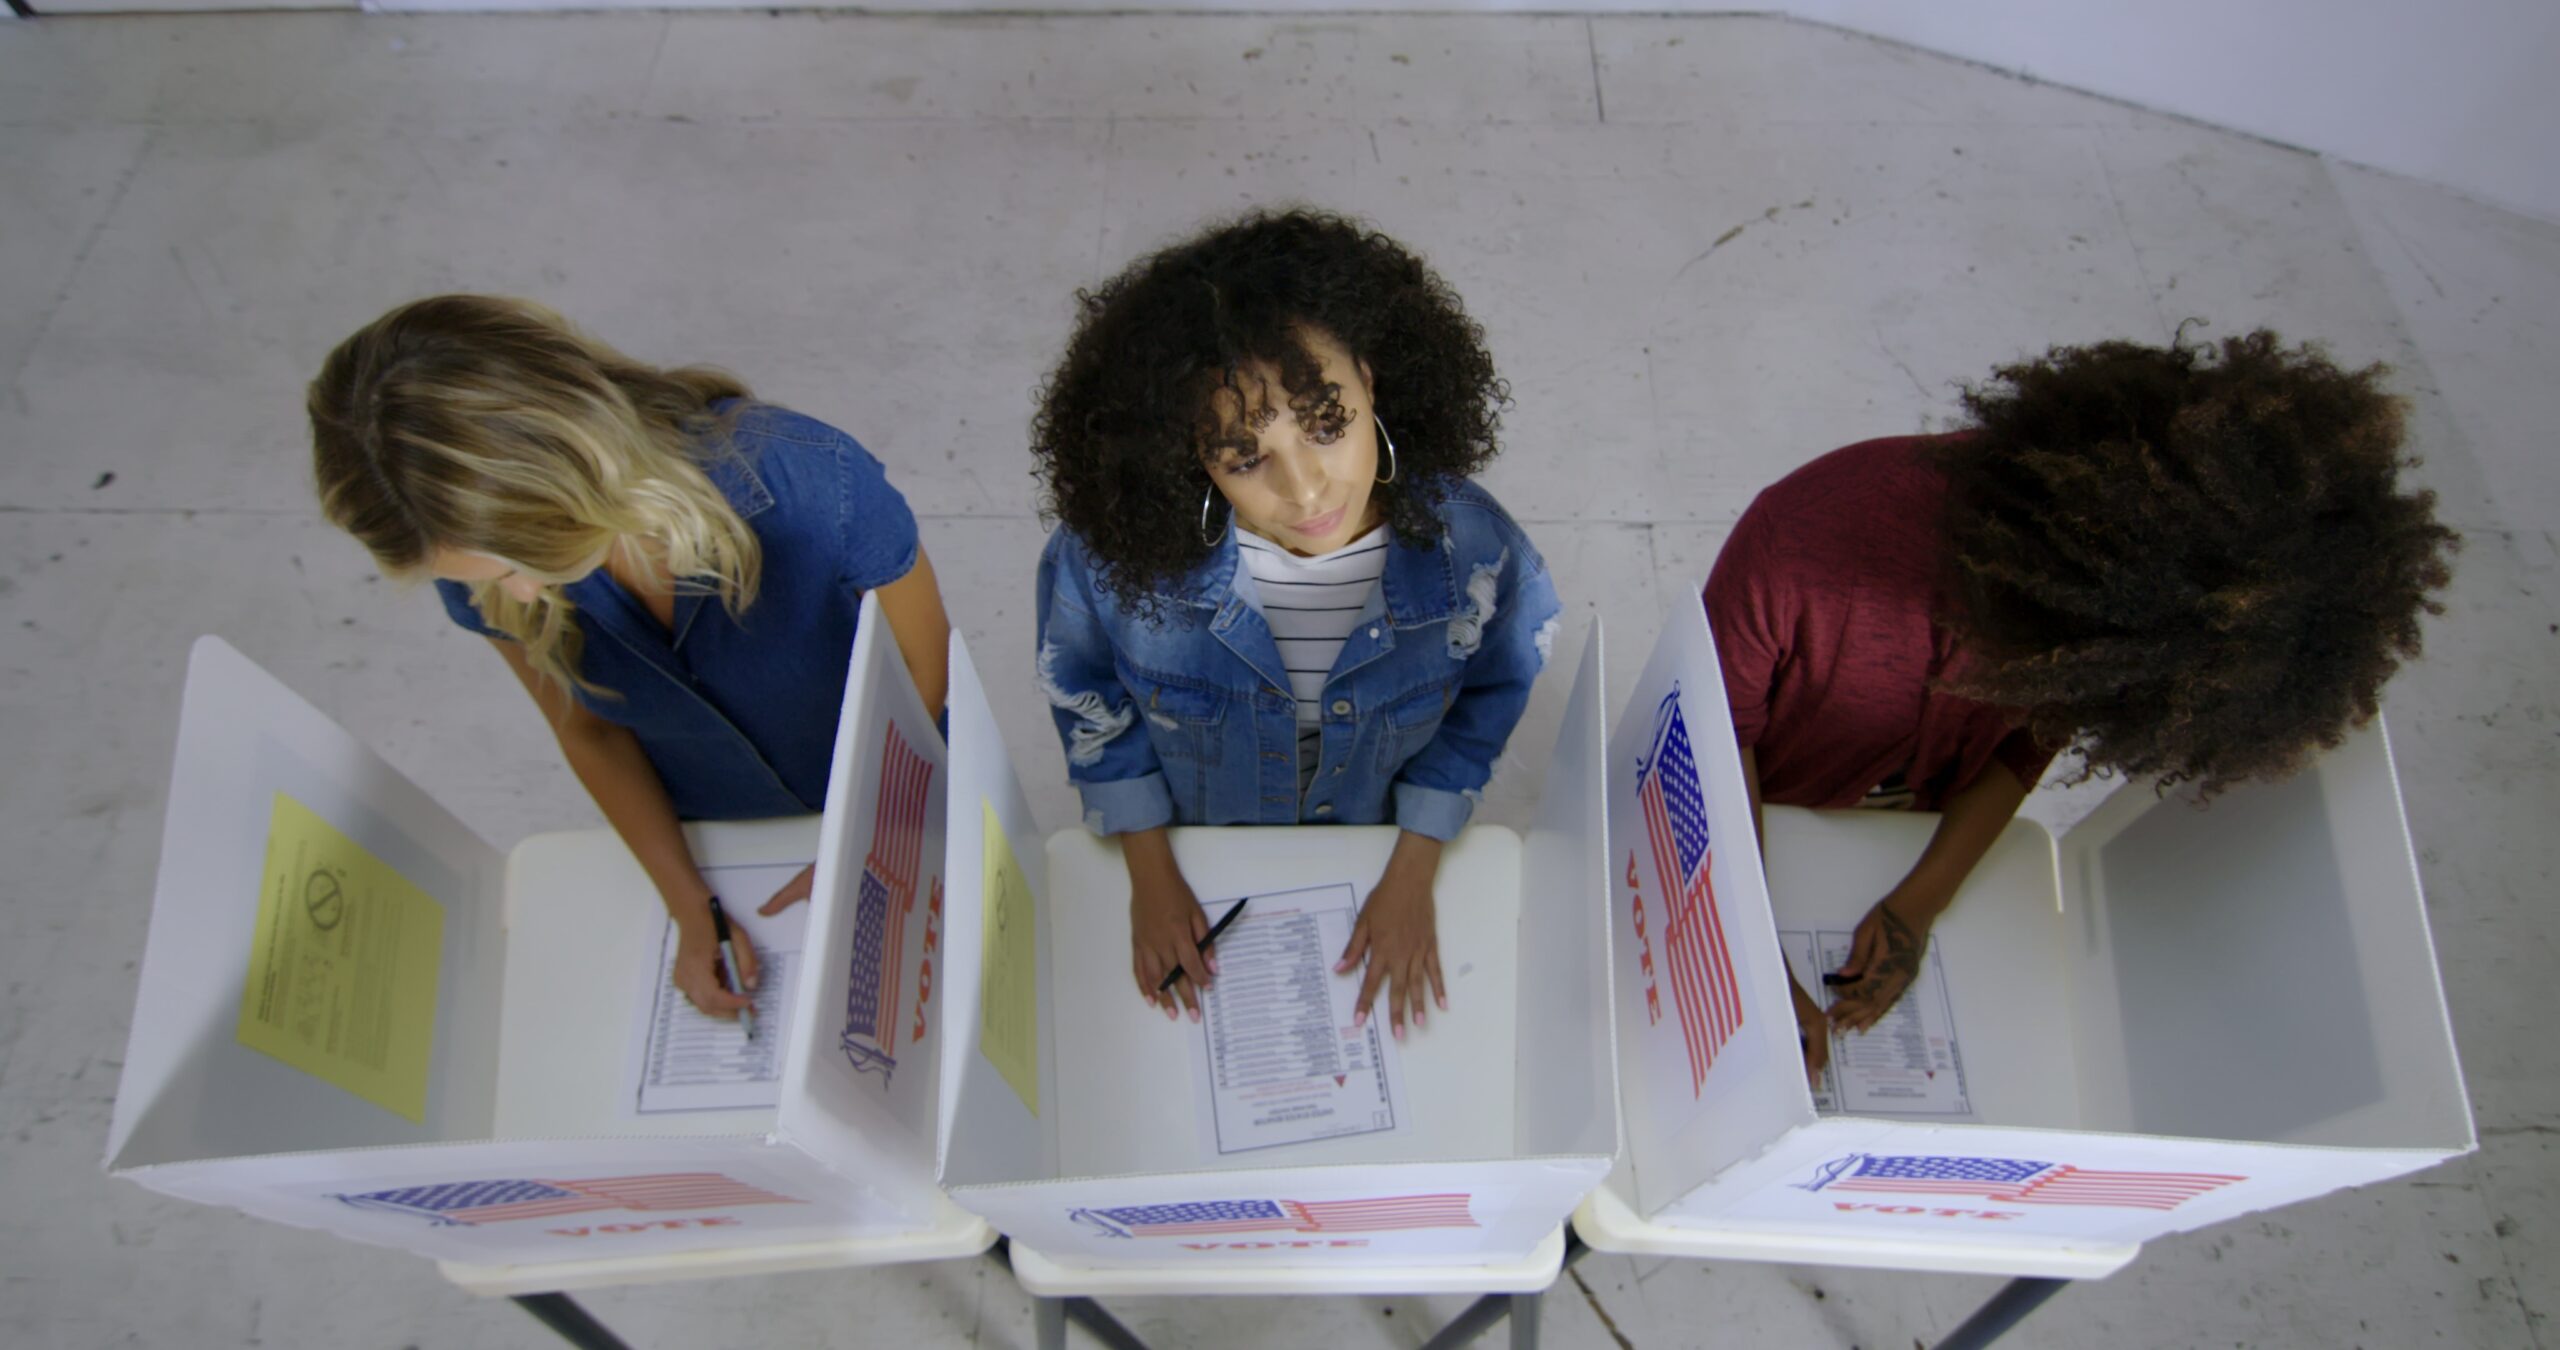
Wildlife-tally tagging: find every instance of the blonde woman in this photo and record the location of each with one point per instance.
(671, 569)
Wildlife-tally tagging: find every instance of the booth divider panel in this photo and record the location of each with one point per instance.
(990, 1134)
(2272, 973)
(190, 1089)
(862, 1091)
(1565, 1093)
(1709, 1072)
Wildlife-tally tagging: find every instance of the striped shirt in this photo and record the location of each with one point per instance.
(1312, 604)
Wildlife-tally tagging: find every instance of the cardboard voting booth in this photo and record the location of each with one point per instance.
(357, 1016)
(1088, 1127)
(2176, 1016)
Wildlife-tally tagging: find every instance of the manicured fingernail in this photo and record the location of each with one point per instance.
(1399, 1033)
(1420, 1019)
(1359, 1019)
(1444, 1002)
(1195, 1014)
(1170, 1015)
(1213, 964)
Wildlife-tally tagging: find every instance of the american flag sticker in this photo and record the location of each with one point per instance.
(462, 1204)
(1705, 996)
(1216, 1218)
(886, 895)
(2013, 1181)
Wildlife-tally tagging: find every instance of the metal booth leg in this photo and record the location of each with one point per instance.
(1049, 1316)
(1475, 1321)
(1525, 1310)
(576, 1325)
(2004, 1310)
(1101, 1325)
(1522, 1309)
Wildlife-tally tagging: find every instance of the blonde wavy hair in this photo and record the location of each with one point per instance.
(488, 425)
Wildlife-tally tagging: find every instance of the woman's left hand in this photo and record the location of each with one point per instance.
(1398, 935)
(793, 892)
(1884, 958)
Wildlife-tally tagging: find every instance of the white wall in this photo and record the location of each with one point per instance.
(2460, 92)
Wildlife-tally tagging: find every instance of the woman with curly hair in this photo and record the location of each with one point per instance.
(2186, 564)
(1273, 595)
(580, 509)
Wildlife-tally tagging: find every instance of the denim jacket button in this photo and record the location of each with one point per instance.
(1342, 707)
(1324, 809)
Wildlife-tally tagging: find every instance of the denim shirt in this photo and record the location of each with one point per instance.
(1415, 710)
(738, 713)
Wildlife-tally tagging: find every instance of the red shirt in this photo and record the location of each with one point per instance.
(1822, 604)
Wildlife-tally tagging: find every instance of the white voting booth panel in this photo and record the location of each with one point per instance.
(2180, 1015)
(529, 1149)
(1510, 1099)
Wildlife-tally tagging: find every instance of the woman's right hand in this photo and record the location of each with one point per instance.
(697, 970)
(1166, 925)
(1813, 1033)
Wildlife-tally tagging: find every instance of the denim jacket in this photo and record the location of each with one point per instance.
(737, 712)
(1416, 709)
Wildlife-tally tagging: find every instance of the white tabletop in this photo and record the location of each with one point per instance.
(1607, 1224)
(1048, 1278)
(961, 1234)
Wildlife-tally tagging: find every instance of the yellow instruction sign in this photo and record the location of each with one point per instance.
(342, 971)
(1009, 994)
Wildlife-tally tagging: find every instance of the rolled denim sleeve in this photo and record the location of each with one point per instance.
(1109, 757)
(875, 531)
(1436, 791)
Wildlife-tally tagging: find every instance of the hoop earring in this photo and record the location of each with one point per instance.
(1208, 495)
(1391, 447)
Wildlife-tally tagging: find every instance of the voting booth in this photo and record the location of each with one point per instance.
(2177, 1015)
(356, 1016)
(1097, 1133)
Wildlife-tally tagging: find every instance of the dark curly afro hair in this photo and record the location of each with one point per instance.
(2191, 564)
(1130, 418)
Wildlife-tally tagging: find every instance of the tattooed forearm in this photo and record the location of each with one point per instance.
(1889, 974)
(1901, 960)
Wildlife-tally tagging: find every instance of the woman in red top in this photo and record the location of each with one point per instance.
(2182, 563)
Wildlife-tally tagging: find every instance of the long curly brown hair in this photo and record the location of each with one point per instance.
(1130, 417)
(2189, 563)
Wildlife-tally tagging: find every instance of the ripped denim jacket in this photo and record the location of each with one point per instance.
(1186, 718)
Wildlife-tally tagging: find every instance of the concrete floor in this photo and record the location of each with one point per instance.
(1705, 249)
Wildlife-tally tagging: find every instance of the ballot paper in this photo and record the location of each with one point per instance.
(682, 1060)
(1909, 1063)
(1279, 1061)
(1804, 962)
